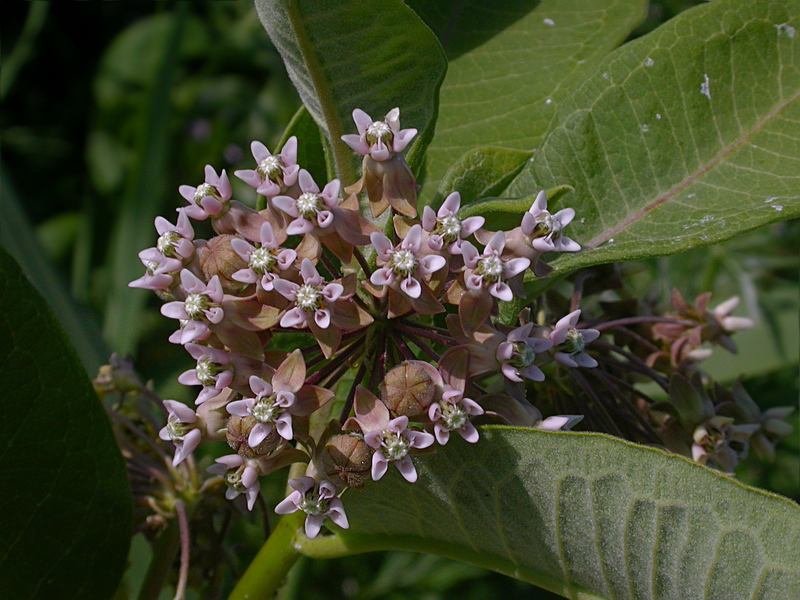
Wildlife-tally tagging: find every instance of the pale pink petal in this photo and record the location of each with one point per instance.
(450, 206)
(469, 433)
(293, 318)
(379, 465)
(406, 468)
(362, 120)
(287, 205)
(322, 317)
(411, 287)
(307, 183)
(382, 276)
(431, 263)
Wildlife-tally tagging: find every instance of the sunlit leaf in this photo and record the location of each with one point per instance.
(683, 138)
(586, 516)
(511, 66)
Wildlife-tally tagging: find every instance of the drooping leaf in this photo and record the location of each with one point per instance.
(371, 54)
(586, 516)
(511, 65)
(65, 510)
(683, 138)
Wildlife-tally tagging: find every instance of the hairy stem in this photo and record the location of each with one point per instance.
(269, 568)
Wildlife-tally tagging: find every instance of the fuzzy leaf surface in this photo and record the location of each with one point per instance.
(586, 516)
(371, 54)
(511, 65)
(65, 510)
(683, 138)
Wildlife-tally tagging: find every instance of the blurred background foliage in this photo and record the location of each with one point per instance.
(108, 106)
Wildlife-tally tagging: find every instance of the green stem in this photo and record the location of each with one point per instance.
(270, 566)
(164, 551)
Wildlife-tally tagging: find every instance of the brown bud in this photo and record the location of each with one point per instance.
(218, 258)
(347, 460)
(239, 430)
(408, 389)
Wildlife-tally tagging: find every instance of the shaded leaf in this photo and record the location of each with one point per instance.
(371, 54)
(683, 138)
(511, 65)
(65, 511)
(481, 173)
(586, 516)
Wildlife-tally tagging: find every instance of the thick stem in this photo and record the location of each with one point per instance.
(270, 566)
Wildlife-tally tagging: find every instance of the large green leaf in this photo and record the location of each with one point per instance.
(369, 54)
(65, 510)
(586, 516)
(511, 65)
(683, 138)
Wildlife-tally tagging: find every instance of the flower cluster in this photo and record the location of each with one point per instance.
(415, 313)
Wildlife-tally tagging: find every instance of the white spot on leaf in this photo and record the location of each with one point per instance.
(658, 116)
(649, 62)
(645, 128)
(704, 88)
(605, 75)
(780, 28)
(549, 22)
(777, 207)
(768, 200)
(548, 101)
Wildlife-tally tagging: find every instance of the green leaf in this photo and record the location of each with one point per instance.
(506, 213)
(482, 172)
(586, 516)
(510, 68)
(370, 54)
(310, 151)
(146, 185)
(65, 510)
(18, 237)
(683, 138)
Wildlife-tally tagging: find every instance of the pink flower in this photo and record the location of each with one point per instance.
(490, 270)
(403, 265)
(277, 402)
(518, 353)
(209, 199)
(213, 371)
(311, 299)
(240, 475)
(181, 429)
(380, 139)
(570, 342)
(318, 500)
(445, 228)
(273, 174)
(453, 413)
(200, 308)
(391, 438)
(313, 208)
(546, 229)
(159, 273)
(264, 263)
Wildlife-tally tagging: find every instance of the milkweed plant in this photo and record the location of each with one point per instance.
(352, 325)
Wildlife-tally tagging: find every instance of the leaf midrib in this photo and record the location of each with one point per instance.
(692, 177)
(341, 157)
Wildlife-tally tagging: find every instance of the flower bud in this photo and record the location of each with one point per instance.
(347, 460)
(218, 258)
(408, 389)
(239, 430)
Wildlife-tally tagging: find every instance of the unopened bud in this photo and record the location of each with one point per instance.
(239, 429)
(347, 460)
(218, 258)
(408, 389)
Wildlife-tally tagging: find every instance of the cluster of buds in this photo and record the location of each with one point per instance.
(719, 426)
(411, 313)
